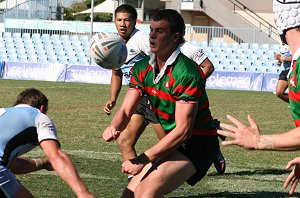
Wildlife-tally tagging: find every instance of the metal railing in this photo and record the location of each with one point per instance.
(257, 21)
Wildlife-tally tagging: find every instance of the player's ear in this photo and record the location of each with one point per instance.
(177, 36)
(43, 109)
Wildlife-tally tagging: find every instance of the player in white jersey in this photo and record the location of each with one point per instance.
(23, 127)
(138, 46)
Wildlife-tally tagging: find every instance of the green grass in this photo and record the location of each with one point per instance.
(77, 111)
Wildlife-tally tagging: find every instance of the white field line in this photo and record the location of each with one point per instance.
(116, 156)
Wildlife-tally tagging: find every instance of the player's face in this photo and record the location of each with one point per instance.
(162, 41)
(124, 24)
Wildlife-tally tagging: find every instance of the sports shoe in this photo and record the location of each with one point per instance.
(220, 164)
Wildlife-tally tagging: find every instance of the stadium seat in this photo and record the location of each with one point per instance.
(234, 45)
(251, 68)
(194, 43)
(230, 68)
(224, 45)
(273, 70)
(244, 46)
(265, 47)
(203, 44)
(213, 44)
(254, 46)
(275, 47)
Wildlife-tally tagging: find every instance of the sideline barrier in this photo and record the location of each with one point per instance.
(250, 81)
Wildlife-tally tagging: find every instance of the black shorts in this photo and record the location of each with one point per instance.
(145, 110)
(283, 75)
(202, 151)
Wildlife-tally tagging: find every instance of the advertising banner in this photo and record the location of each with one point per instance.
(88, 74)
(34, 71)
(235, 81)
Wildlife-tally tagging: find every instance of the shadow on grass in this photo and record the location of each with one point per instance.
(242, 195)
(255, 172)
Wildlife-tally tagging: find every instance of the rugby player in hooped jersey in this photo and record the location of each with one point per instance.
(176, 90)
(287, 19)
(138, 46)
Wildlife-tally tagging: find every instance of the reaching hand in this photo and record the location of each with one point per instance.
(243, 136)
(294, 175)
(110, 134)
(109, 106)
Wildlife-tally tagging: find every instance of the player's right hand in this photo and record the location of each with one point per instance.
(110, 134)
(109, 106)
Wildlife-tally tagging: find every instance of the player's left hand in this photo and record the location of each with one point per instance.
(131, 167)
(110, 134)
(294, 175)
(243, 136)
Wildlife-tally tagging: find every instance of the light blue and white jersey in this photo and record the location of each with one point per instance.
(22, 128)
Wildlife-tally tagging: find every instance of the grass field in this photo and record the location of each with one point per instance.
(77, 111)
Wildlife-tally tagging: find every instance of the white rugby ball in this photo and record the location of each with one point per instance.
(108, 50)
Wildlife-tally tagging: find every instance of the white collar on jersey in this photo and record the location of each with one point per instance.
(22, 105)
(170, 61)
(296, 54)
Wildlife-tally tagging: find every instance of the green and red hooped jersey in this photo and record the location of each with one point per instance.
(182, 80)
(294, 91)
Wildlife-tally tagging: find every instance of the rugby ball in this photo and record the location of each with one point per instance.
(108, 50)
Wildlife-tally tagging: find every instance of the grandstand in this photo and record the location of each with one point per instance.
(74, 49)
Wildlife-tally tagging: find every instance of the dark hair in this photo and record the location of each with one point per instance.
(127, 9)
(175, 20)
(32, 97)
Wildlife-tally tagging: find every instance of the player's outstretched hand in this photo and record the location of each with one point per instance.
(109, 106)
(294, 175)
(243, 136)
(110, 134)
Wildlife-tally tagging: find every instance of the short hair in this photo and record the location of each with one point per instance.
(32, 97)
(127, 9)
(175, 20)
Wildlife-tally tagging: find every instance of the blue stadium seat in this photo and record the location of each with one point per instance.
(203, 44)
(244, 46)
(213, 44)
(224, 45)
(265, 47)
(275, 47)
(254, 46)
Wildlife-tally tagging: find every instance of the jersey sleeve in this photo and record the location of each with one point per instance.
(45, 128)
(187, 88)
(194, 53)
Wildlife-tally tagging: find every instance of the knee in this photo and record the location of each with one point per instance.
(279, 94)
(140, 191)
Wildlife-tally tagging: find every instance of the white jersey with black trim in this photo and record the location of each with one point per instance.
(137, 48)
(22, 129)
(193, 52)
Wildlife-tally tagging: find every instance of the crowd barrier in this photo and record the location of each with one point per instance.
(225, 80)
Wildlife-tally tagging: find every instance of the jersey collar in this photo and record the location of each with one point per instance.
(170, 61)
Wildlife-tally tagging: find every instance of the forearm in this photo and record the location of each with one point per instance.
(169, 143)
(115, 84)
(282, 142)
(22, 165)
(64, 167)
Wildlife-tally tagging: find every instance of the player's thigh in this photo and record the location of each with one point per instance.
(166, 175)
(281, 86)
